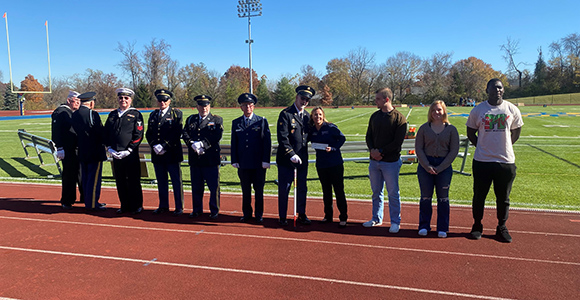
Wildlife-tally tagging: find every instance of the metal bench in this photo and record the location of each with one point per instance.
(40, 145)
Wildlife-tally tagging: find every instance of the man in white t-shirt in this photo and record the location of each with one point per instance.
(493, 127)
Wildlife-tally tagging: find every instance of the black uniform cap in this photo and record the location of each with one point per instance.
(247, 97)
(202, 100)
(163, 95)
(306, 91)
(86, 97)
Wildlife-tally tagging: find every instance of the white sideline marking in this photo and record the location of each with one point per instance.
(203, 232)
(259, 273)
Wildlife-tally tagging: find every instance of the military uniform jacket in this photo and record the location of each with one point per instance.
(124, 132)
(209, 132)
(63, 134)
(292, 137)
(166, 131)
(90, 132)
(252, 144)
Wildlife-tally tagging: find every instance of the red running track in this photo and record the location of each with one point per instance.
(48, 253)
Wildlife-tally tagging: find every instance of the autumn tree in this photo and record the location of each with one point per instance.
(435, 77)
(235, 82)
(363, 74)
(60, 89)
(103, 84)
(197, 80)
(131, 63)
(511, 48)
(337, 80)
(401, 72)
(470, 77)
(155, 61)
(34, 100)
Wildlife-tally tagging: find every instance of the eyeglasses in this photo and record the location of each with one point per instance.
(163, 100)
(124, 97)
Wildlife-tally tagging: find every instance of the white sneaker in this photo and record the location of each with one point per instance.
(442, 234)
(372, 223)
(423, 232)
(394, 228)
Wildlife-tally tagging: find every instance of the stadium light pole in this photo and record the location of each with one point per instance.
(249, 9)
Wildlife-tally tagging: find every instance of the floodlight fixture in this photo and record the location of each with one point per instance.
(249, 9)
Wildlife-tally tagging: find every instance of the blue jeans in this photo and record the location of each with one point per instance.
(441, 183)
(381, 172)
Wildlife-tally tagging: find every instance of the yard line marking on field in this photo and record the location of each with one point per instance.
(302, 240)
(253, 272)
(357, 116)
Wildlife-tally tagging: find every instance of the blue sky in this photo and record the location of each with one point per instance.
(289, 34)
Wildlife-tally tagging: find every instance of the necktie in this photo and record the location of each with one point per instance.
(247, 122)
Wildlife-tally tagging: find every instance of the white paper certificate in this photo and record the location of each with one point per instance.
(319, 146)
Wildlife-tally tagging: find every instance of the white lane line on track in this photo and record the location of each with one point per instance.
(259, 273)
(203, 232)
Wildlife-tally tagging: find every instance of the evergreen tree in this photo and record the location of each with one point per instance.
(10, 99)
(263, 94)
(540, 73)
(284, 94)
(142, 96)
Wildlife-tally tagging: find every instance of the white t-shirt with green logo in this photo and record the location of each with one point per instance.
(493, 124)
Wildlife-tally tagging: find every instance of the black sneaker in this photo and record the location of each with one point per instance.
(476, 231)
(502, 234)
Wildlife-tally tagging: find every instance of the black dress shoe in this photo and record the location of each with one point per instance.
(178, 212)
(194, 215)
(120, 211)
(213, 216)
(244, 219)
(98, 208)
(303, 219)
(283, 223)
(102, 204)
(137, 211)
(66, 206)
(326, 220)
(260, 220)
(342, 224)
(160, 211)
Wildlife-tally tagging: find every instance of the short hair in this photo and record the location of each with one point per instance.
(311, 121)
(432, 107)
(386, 93)
(491, 81)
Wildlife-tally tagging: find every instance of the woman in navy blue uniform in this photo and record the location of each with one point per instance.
(327, 139)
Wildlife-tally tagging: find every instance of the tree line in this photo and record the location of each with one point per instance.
(348, 80)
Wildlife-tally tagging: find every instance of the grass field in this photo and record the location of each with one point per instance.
(548, 156)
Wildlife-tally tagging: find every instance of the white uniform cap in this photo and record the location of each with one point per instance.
(72, 94)
(125, 91)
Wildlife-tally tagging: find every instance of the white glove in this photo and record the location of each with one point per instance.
(112, 152)
(158, 149)
(236, 165)
(200, 152)
(296, 159)
(122, 154)
(60, 153)
(265, 165)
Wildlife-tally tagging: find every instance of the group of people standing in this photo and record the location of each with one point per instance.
(82, 140)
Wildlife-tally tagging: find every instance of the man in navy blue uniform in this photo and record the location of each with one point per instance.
(90, 133)
(65, 139)
(202, 133)
(251, 150)
(164, 137)
(124, 129)
(292, 153)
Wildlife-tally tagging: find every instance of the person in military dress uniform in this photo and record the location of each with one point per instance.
(292, 153)
(202, 133)
(90, 135)
(124, 130)
(65, 139)
(251, 150)
(164, 137)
